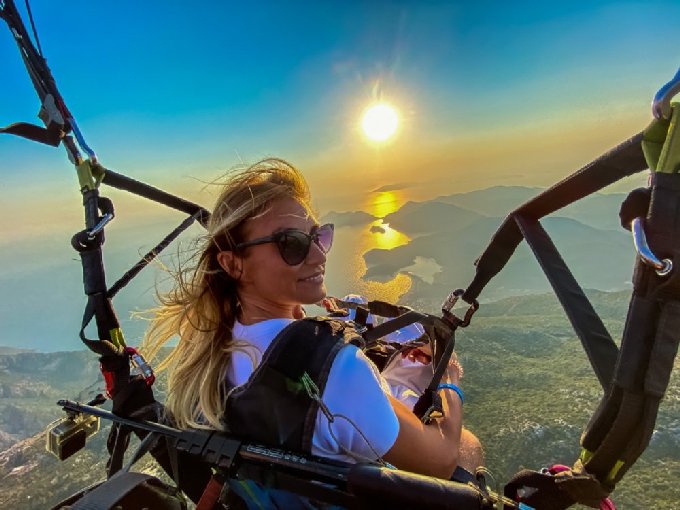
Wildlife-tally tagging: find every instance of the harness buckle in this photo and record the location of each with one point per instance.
(49, 113)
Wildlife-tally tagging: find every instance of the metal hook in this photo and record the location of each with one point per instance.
(661, 105)
(662, 267)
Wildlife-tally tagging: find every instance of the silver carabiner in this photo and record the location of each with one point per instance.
(661, 104)
(663, 267)
(91, 234)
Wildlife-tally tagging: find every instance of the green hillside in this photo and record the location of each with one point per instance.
(529, 393)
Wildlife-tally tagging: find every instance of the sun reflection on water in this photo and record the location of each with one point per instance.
(383, 203)
(386, 237)
(346, 266)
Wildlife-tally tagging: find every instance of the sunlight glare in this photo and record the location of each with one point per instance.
(380, 122)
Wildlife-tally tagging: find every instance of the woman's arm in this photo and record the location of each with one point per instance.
(429, 449)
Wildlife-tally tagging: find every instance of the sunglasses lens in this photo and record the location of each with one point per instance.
(294, 247)
(324, 237)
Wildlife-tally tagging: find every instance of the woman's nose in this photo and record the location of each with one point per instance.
(316, 255)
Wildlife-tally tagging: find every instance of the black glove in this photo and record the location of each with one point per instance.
(634, 206)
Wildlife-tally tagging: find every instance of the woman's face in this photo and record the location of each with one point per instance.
(265, 280)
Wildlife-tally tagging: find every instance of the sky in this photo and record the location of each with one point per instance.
(176, 94)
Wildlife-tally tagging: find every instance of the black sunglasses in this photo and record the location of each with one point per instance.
(294, 244)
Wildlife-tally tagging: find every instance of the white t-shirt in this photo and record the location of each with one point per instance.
(355, 389)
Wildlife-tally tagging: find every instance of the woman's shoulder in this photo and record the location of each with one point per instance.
(351, 364)
(260, 333)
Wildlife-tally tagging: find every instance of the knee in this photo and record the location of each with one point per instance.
(471, 451)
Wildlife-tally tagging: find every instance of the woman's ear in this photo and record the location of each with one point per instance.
(231, 264)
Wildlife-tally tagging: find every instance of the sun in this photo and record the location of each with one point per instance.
(380, 122)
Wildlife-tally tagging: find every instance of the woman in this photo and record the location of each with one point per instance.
(263, 258)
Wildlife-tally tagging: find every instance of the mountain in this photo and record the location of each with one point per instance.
(455, 251)
(529, 393)
(347, 219)
(447, 234)
(12, 350)
(415, 218)
(598, 210)
(494, 201)
(32, 382)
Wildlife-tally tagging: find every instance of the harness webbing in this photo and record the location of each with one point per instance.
(623, 160)
(122, 182)
(624, 421)
(595, 339)
(523, 223)
(636, 377)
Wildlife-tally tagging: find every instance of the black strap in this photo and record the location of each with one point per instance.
(112, 491)
(384, 329)
(36, 65)
(150, 255)
(623, 423)
(117, 444)
(624, 160)
(376, 307)
(35, 133)
(595, 339)
(378, 487)
(119, 181)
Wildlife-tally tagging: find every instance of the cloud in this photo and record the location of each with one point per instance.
(392, 187)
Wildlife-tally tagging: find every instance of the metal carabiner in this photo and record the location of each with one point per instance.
(663, 267)
(141, 364)
(450, 302)
(105, 220)
(661, 104)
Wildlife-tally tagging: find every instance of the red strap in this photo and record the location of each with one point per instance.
(211, 494)
(109, 380)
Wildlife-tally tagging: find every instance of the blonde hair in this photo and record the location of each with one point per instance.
(202, 307)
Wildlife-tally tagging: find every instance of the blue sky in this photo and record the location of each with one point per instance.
(175, 94)
(161, 88)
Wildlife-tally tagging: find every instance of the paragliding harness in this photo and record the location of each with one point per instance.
(634, 377)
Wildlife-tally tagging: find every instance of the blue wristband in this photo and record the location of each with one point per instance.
(449, 386)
